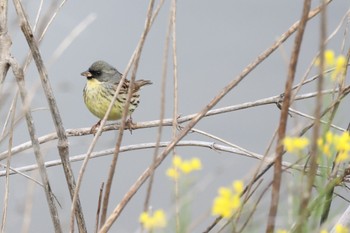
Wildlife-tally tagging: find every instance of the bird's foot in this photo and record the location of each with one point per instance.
(130, 125)
(94, 128)
(177, 124)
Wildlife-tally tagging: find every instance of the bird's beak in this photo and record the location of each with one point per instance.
(86, 74)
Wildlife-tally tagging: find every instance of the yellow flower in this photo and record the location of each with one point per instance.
(326, 143)
(184, 166)
(323, 231)
(196, 164)
(342, 142)
(325, 148)
(329, 57)
(329, 137)
(340, 66)
(342, 146)
(282, 231)
(225, 192)
(173, 173)
(335, 143)
(238, 186)
(157, 220)
(341, 229)
(177, 160)
(295, 144)
(331, 61)
(342, 156)
(228, 200)
(188, 166)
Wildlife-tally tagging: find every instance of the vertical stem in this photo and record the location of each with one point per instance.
(12, 115)
(125, 113)
(175, 111)
(161, 116)
(303, 212)
(283, 118)
(5, 42)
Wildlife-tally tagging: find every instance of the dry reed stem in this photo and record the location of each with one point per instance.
(12, 114)
(5, 42)
(43, 32)
(99, 203)
(283, 119)
(305, 199)
(162, 112)
(136, 60)
(175, 108)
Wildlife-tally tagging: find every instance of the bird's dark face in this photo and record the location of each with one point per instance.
(100, 70)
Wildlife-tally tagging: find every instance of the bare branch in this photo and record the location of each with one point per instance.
(168, 122)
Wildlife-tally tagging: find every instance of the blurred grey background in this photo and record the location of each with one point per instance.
(215, 41)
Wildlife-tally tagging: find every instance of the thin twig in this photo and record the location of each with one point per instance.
(12, 114)
(5, 42)
(161, 114)
(99, 208)
(38, 15)
(77, 30)
(43, 32)
(29, 202)
(175, 108)
(125, 111)
(8, 118)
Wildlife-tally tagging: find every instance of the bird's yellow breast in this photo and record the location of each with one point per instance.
(93, 83)
(97, 98)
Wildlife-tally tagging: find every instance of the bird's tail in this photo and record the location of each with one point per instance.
(142, 82)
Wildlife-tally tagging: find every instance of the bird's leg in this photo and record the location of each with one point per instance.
(177, 125)
(129, 124)
(94, 128)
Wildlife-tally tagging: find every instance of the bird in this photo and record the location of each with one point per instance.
(101, 85)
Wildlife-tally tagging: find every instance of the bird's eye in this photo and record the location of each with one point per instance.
(95, 72)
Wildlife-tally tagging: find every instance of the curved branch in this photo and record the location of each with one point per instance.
(167, 122)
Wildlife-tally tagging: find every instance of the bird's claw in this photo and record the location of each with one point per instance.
(94, 128)
(177, 125)
(130, 125)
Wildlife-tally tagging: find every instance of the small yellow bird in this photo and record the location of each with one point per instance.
(102, 82)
